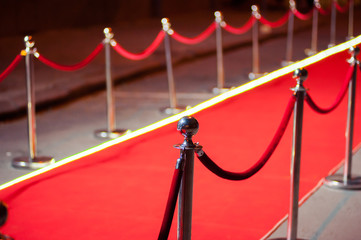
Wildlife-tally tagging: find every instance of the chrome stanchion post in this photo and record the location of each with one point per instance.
(255, 45)
(289, 46)
(333, 24)
(188, 127)
(111, 131)
(300, 92)
(219, 46)
(347, 181)
(313, 50)
(350, 20)
(173, 108)
(32, 161)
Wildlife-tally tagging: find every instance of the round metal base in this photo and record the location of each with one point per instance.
(253, 76)
(310, 52)
(102, 133)
(173, 110)
(285, 63)
(220, 90)
(330, 45)
(337, 181)
(35, 163)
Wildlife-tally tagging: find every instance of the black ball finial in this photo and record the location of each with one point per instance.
(188, 126)
(300, 73)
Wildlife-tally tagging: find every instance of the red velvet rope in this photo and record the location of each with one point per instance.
(10, 68)
(243, 29)
(74, 67)
(323, 11)
(302, 16)
(339, 97)
(342, 9)
(200, 38)
(146, 53)
(207, 162)
(277, 23)
(171, 203)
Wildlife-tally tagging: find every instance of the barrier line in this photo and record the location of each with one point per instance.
(220, 98)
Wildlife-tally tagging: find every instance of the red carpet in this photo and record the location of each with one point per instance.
(121, 192)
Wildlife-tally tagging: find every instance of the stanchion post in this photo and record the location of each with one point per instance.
(333, 24)
(111, 131)
(255, 45)
(313, 50)
(173, 107)
(188, 127)
(289, 46)
(300, 75)
(32, 161)
(350, 19)
(347, 181)
(219, 46)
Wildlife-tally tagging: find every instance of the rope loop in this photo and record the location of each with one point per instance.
(198, 39)
(302, 16)
(342, 9)
(214, 168)
(11, 67)
(243, 29)
(277, 23)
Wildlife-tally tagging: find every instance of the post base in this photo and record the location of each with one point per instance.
(330, 45)
(337, 181)
(173, 110)
(217, 90)
(35, 163)
(285, 63)
(102, 133)
(309, 52)
(253, 75)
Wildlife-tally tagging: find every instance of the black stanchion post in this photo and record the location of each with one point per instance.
(300, 92)
(32, 161)
(111, 131)
(188, 127)
(289, 46)
(347, 181)
(173, 107)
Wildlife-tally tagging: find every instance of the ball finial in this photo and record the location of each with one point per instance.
(188, 126)
(300, 74)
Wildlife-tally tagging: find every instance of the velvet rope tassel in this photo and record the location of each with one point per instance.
(213, 167)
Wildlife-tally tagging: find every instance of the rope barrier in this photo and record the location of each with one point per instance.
(277, 23)
(74, 67)
(200, 38)
(323, 11)
(302, 16)
(208, 163)
(11, 67)
(146, 53)
(339, 97)
(171, 203)
(243, 29)
(342, 9)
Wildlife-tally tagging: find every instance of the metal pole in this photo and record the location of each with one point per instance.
(346, 181)
(289, 46)
(255, 44)
(313, 50)
(188, 127)
(32, 161)
(172, 109)
(219, 45)
(333, 25)
(111, 131)
(350, 19)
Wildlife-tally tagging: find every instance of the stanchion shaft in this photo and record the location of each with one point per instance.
(333, 24)
(350, 18)
(314, 30)
(255, 48)
(290, 37)
(171, 84)
(220, 67)
(30, 104)
(109, 85)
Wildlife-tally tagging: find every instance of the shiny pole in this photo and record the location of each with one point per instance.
(346, 181)
(111, 131)
(289, 47)
(299, 91)
(350, 19)
(188, 127)
(255, 45)
(173, 108)
(219, 45)
(333, 25)
(32, 161)
(313, 50)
